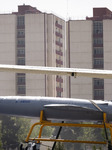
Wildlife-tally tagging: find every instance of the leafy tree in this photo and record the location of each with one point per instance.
(13, 131)
(72, 133)
(87, 135)
(59, 146)
(24, 126)
(46, 132)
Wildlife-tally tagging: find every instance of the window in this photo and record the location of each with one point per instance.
(98, 63)
(21, 33)
(21, 42)
(98, 40)
(21, 80)
(98, 51)
(98, 83)
(97, 27)
(21, 90)
(58, 94)
(20, 20)
(21, 61)
(99, 94)
(21, 51)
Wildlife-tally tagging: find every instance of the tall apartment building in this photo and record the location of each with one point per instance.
(90, 46)
(30, 37)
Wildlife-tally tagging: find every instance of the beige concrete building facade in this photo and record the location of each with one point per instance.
(90, 46)
(7, 52)
(107, 36)
(30, 37)
(80, 56)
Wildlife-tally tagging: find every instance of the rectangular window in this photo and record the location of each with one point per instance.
(58, 94)
(98, 63)
(97, 27)
(20, 20)
(98, 83)
(98, 41)
(21, 90)
(99, 94)
(21, 42)
(98, 51)
(21, 80)
(21, 83)
(20, 33)
(21, 61)
(21, 52)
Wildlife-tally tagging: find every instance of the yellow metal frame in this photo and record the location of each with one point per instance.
(44, 123)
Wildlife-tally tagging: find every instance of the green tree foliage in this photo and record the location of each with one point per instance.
(46, 132)
(97, 147)
(14, 130)
(79, 133)
(24, 126)
(59, 146)
(71, 133)
(87, 135)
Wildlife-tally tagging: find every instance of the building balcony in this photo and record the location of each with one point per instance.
(58, 25)
(58, 34)
(59, 43)
(60, 62)
(59, 79)
(59, 89)
(59, 53)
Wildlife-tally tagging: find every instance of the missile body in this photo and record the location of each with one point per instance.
(55, 108)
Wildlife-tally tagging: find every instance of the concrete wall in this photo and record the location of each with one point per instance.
(7, 52)
(80, 48)
(107, 38)
(51, 57)
(40, 50)
(35, 52)
(51, 52)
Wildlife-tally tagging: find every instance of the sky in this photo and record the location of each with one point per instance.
(72, 9)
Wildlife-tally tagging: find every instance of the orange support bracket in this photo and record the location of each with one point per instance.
(44, 123)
